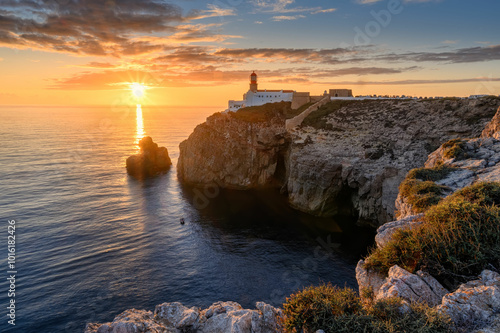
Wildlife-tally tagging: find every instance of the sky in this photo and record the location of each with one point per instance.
(201, 53)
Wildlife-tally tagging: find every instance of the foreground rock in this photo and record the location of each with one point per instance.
(349, 160)
(151, 161)
(220, 317)
(476, 302)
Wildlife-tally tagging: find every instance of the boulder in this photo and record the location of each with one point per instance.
(152, 160)
(419, 287)
(130, 321)
(177, 316)
(368, 280)
(386, 231)
(475, 301)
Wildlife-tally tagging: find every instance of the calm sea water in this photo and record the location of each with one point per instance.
(92, 242)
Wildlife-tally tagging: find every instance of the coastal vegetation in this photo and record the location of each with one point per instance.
(263, 113)
(419, 187)
(334, 309)
(458, 238)
(454, 149)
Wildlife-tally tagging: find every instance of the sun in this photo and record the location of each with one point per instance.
(138, 89)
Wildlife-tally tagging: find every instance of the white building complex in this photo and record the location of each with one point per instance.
(255, 97)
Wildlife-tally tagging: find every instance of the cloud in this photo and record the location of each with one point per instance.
(213, 11)
(259, 22)
(369, 2)
(449, 42)
(413, 82)
(93, 27)
(322, 11)
(287, 18)
(282, 7)
(464, 55)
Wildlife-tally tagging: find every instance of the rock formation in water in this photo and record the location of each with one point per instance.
(346, 157)
(152, 160)
(220, 317)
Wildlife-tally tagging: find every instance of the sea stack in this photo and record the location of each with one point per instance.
(151, 161)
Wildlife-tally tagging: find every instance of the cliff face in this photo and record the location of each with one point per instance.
(359, 154)
(347, 157)
(240, 151)
(475, 304)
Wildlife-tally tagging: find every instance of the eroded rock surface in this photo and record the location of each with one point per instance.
(235, 152)
(220, 317)
(475, 301)
(357, 156)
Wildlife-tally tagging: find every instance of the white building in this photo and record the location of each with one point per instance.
(255, 97)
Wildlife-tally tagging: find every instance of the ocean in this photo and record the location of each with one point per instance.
(91, 242)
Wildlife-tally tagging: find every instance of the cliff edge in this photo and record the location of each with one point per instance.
(347, 157)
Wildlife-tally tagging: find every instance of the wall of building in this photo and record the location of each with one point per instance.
(340, 93)
(263, 97)
(299, 99)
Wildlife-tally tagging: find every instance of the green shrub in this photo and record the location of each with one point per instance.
(338, 310)
(455, 149)
(431, 174)
(459, 237)
(318, 307)
(419, 187)
(421, 194)
(484, 193)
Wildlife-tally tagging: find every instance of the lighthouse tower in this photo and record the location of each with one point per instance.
(253, 82)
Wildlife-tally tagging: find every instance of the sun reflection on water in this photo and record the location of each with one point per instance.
(140, 125)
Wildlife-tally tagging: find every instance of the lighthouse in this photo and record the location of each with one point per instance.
(253, 82)
(256, 97)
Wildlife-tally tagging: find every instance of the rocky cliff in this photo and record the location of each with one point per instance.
(345, 158)
(240, 150)
(454, 166)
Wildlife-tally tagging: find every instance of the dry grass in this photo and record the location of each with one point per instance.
(459, 238)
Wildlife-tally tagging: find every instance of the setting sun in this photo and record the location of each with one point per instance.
(138, 89)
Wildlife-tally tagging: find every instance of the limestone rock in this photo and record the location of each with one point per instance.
(385, 232)
(368, 280)
(130, 321)
(359, 154)
(227, 317)
(411, 287)
(235, 152)
(151, 160)
(266, 319)
(177, 316)
(475, 301)
(220, 317)
(492, 129)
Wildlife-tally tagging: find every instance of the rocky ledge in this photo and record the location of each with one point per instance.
(176, 318)
(454, 166)
(151, 161)
(345, 158)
